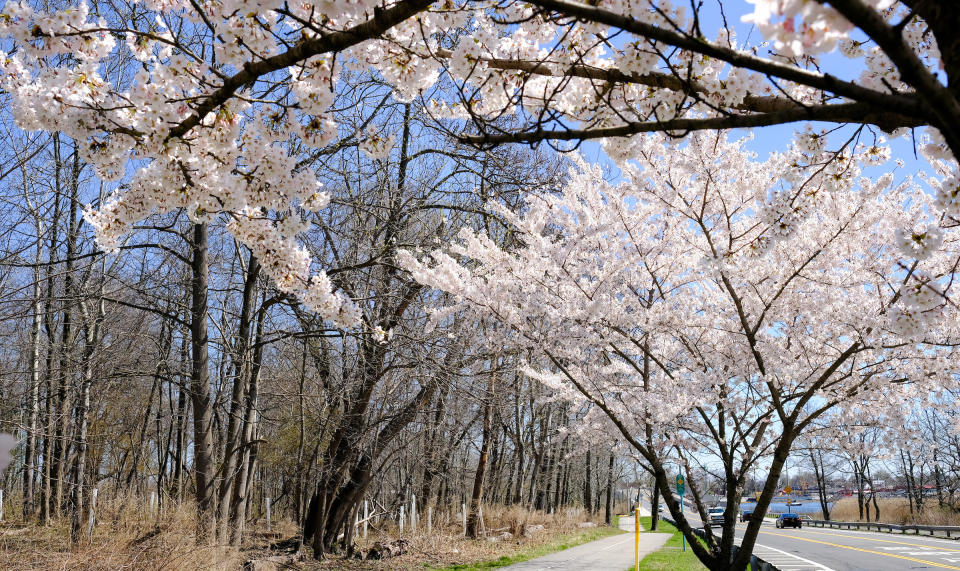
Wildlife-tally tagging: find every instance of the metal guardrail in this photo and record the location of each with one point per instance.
(756, 563)
(889, 527)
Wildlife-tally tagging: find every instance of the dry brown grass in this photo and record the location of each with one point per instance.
(896, 511)
(447, 546)
(127, 538)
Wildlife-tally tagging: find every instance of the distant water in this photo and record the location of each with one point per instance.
(779, 507)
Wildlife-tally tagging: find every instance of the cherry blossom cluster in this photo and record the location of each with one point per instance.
(800, 27)
(204, 119)
(682, 265)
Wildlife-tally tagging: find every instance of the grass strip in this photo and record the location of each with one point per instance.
(559, 543)
(671, 556)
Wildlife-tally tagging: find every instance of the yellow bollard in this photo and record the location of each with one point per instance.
(636, 538)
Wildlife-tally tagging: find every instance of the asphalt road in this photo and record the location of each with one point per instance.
(819, 549)
(847, 550)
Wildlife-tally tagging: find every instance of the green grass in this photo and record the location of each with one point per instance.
(559, 543)
(670, 557)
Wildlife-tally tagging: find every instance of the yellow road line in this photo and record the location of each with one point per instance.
(894, 555)
(860, 536)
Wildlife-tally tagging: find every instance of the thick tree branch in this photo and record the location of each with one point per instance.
(754, 103)
(382, 21)
(836, 113)
(940, 103)
(892, 102)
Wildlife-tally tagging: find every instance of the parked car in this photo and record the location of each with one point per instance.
(715, 515)
(745, 516)
(789, 520)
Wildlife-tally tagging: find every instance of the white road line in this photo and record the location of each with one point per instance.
(817, 566)
(617, 543)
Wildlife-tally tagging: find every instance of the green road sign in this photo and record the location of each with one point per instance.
(681, 485)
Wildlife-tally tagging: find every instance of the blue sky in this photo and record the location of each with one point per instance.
(778, 137)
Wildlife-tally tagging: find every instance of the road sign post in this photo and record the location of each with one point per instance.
(682, 489)
(636, 537)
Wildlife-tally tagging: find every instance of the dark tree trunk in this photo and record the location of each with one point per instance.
(819, 473)
(240, 499)
(50, 330)
(233, 444)
(655, 506)
(608, 512)
(587, 492)
(203, 448)
(476, 497)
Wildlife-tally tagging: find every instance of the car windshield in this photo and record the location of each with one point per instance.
(785, 516)
(716, 510)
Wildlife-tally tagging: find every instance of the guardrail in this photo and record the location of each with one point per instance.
(889, 527)
(756, 563)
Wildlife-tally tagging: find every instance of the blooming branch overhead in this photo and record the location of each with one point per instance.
(200, 110)
(713, 306)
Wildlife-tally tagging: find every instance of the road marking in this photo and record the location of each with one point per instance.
(817, 566)
(867, 538)
(618, 543)
(934, 563)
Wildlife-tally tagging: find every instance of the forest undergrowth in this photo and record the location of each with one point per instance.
(127, 537)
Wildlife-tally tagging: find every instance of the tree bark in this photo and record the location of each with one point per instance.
(240, 499)
(49, 326)
(203, 449)
(819, 473)
(473, 519)
(33, 391)
(608, 513)
(233, 443)
(587, 492)
(81, 504)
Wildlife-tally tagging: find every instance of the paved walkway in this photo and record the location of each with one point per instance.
(608, 554)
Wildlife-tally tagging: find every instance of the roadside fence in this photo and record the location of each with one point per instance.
(950, 531)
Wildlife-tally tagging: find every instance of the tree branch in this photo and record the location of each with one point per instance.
(382, 21)
(835, 113)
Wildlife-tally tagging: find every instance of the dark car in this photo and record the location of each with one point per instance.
(789, 520)
(745, 516)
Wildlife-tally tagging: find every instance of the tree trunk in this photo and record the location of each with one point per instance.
(906, 479)
(49, 326)
(81, 505)
(247, 457)
(330, 506)
(177, 482)
(819, 473)
(608, 513)
(473, 520)
(33, 391)
(587, 492)
(233, 443)
(430, 471)
(203, 449)
(655, 506)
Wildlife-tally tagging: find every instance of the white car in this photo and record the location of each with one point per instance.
(715, 515)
